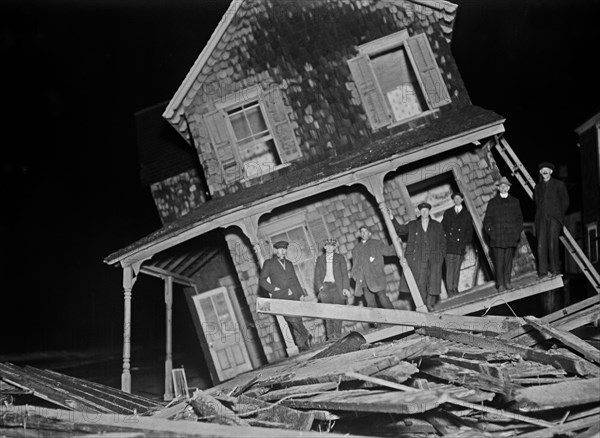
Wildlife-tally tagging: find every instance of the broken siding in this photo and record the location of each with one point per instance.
(301, 50)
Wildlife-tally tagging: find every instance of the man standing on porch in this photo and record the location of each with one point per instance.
(551, 203)
(459, 230)
(331, 283)
(425, 252)
(367, 269)
(279, 278)
(503, 222)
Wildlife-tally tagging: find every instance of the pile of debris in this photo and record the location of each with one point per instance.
(435, 382)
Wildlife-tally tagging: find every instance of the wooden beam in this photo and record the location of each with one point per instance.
(558, 395)
(569, 339)
(492, 324)
(161, 273)
(581, 367)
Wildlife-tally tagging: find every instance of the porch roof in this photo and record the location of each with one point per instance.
(453, 130)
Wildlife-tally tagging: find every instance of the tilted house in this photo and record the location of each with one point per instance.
(310, 119)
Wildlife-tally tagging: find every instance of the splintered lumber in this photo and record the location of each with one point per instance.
(459, 392)
(488, 369)
(559, 395)
(299, 391)
(562, 429)
(454, 401)
(569, 339)
(74, 422)
(261, 410)
(210, 409)
(364, 400)
(397, 373)
(566, 319)
(466, 377)
(492, 324)
(351, 342)
(581, 367)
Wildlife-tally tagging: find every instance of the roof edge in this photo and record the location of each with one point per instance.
(191, 76)
(595, 119)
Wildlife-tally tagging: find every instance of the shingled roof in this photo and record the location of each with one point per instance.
(458, 122)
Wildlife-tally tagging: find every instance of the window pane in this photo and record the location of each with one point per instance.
(399, 84)
(259, 158)
(240, 126)
(299, 240)
(256, 120)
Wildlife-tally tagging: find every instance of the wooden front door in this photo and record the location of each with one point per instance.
(223, 333)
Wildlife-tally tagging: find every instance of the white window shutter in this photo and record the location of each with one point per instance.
(281, 128)
(434, 88)
(370, 94)
(223, 146)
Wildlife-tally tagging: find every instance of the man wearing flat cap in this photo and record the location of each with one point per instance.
(551, 203)
(278, 277)
(503, 222)
(458, 227)
(425, 252)
(331, 283)
(367, 269)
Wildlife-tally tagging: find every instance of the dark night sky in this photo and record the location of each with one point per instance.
(75, 72)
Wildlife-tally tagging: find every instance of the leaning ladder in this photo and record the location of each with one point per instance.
(518, 171)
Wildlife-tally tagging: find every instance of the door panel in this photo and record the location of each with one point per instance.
(222, 332)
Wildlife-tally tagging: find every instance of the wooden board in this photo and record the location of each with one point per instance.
(558, 395)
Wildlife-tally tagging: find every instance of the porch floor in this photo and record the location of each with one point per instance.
(486, 295)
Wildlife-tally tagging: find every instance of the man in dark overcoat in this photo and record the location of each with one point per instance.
(503, 222)
(424, 253)
(458, 227)
(332, 285)
(367, 269)
(551, 203)
(278, 277)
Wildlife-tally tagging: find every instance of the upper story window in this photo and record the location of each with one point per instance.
(251, 134)
(398, 79)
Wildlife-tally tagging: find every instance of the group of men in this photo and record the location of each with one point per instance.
(429, 244)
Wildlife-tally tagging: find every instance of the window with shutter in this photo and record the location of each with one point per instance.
(398, 79)
(252, 136)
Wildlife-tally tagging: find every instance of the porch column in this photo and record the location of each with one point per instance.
(250, 229)
(128, 281)
(375, 185)
(169, 338)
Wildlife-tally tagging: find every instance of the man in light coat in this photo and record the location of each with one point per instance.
(332, 285)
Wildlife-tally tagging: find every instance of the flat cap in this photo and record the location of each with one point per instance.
(504, 180)
(281, 244)
(546, 164)
(424, 205)
(456, 193)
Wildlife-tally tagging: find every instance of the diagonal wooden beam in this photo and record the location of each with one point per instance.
(407, 318)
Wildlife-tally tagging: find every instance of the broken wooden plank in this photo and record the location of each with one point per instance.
(487, 369)
(568, 339)
(562, 429)
(264, 411)
(467, 377)
(19, 417)
(349, 343)
(398, 373)
(581, 367)
(299, 391)
(212, 410)
(362, 400)
(455, 391)
(492, 324)
(454, 401)
(558, 395)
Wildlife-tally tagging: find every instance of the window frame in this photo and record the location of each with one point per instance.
(399, 41)
(236, 101)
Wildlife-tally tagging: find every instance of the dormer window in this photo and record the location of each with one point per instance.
(398, 79)
(251, 134)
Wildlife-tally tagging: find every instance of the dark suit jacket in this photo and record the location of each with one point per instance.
(285, 279)
(367, 265)
(551, 200)
(436, 241)
(503, 222)
(340, 273)
(458, 229)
